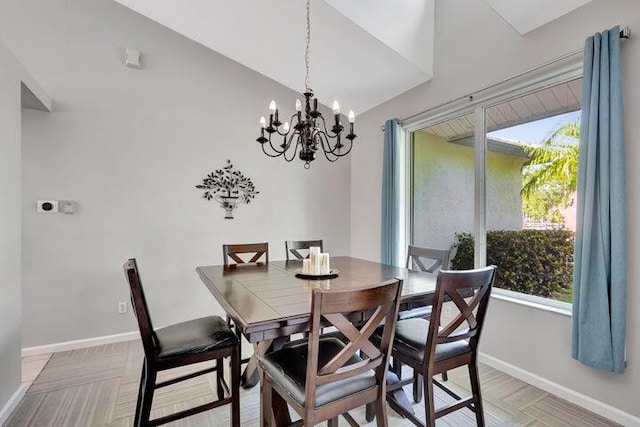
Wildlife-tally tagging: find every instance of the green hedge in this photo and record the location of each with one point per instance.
(535, 262)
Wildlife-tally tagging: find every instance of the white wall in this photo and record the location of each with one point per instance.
(476, 49)
(130, 146)
(9, 225)
(12, 76)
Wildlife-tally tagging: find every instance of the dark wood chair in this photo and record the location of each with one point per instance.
(431, 349)
(429, 260)
(258, 254)
(244, 254)
(194, 341)
(293, 247)
(324, 377)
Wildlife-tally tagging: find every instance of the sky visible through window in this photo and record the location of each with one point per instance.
(537, 131)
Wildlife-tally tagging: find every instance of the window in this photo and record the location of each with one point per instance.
(497, 180)
(442, 177)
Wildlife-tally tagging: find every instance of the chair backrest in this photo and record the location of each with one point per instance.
(454, 286)
(338, 309)
(427, 259)
(139, 304)
(293, 247)
(258, 254)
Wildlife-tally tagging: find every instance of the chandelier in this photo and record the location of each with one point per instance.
(308, 130)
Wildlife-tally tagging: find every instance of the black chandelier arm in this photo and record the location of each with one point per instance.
(295, 148)
(320, 138)
(283, 152)
(335, 150)
(277, 153)
(280, 150)
(332, 156)
(326, 155)
(290, 126)
(326, 132)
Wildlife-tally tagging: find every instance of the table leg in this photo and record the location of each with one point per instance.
(398, 398)
(250, 377)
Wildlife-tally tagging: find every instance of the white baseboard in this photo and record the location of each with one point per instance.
(12, 403)
(74, 345)
(582, 400)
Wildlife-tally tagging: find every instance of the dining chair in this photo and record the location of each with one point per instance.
(258, 253)
(182, 344)
(323, 377)
(255, 254)
(429, 260)
(431, 349)
(293, 247)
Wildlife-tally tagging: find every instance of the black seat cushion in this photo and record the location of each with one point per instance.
(194, 337)
(411, 340)
(288, 367)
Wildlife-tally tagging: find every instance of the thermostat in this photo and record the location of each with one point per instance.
(48, 206)
(55, 206)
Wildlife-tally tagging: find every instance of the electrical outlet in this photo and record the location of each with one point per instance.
(122, 307)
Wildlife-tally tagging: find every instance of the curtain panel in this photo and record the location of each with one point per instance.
(390, 215)
(599, 293)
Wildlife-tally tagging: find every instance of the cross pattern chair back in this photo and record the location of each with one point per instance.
(434, 259)
(252, 253)
(454, 286)
(429, 260)
(244, 254)
(194, 341)
(451, 345)
(293, 247)
(340, 374)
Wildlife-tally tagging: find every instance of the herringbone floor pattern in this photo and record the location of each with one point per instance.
(98, 386)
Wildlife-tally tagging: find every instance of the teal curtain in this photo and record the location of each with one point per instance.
(390, 232)
(599, 293)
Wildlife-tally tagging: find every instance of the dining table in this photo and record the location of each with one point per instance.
(269, 303)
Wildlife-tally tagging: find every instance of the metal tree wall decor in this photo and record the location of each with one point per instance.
(229, 187)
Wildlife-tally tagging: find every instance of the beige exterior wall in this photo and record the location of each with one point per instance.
(443, 191)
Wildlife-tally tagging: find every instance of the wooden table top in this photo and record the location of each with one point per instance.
(268, 300)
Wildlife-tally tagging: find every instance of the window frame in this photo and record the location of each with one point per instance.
(547, 75)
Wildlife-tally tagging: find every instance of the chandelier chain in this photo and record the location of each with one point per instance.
(307, 58)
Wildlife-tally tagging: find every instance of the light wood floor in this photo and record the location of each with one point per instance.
(98, 386)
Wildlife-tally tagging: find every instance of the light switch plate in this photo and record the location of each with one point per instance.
(132, 58)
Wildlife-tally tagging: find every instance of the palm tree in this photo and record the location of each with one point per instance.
(553, 165)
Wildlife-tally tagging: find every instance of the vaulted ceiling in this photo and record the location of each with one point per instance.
(363, 52)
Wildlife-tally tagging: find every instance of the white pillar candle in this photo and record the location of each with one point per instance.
(324, 264)
(314, 258)
(305, 266)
